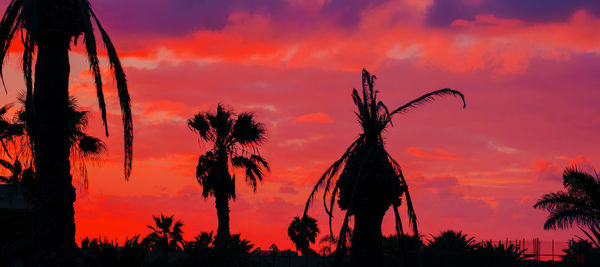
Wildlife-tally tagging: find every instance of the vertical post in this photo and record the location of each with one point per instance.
(552, 249)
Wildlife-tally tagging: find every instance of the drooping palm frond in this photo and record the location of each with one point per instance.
(33, 17)
(330, 173)
(10, 23)
(593, 233)
(124, 98)
(564, 218)
(429, 97)
(252, 168)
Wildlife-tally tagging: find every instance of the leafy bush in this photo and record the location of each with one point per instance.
(501, 255)
(102, 252)
(581, 251)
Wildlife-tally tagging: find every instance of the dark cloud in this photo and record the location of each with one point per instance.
(444, 12)
(178, 17)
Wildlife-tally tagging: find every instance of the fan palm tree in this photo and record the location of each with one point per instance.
(234, 141)
(371, 180)
(47, 29)
(578, 204)
(302, 232)
(83, 146)
(166, 235)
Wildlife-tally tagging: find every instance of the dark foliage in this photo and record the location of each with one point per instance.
(100, 252)
(302, 232)
(578, 203)
(370, 180)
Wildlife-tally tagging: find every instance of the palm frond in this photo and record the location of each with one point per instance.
(248, 131)
(564, 218)
(8, 26)
(428, 98)
(200, 124)
(92, 52)
(330, 172)
(124, 98)
(251, 168)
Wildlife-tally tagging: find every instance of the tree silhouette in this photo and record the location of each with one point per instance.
(578, 204)
(302, 232)
(47, 29)
(84, 147)
(452, 241)
(371, 180)
(234, 141)
(166, 235)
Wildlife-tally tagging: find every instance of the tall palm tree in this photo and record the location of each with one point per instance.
(371, 180)
(302, 232)
(47, 29)
(234, 140)
(578, 204)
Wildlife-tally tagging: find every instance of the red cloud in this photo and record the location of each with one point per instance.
(438, 154)
(317, 117)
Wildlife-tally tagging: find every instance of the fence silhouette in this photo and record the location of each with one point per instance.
(538, 250)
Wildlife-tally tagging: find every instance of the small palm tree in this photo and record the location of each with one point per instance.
(302, 232)
(234, 142)
(452, 241)
(166, 235)
(47, 29)
(578, 204)
(370, 180)
(84, 147)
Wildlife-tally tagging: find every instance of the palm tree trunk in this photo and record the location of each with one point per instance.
(223, 234)
(55, 223)
(367, 241)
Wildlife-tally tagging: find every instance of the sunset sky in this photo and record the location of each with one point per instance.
(528, 70)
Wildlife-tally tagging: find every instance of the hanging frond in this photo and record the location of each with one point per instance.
(329, 173)
(429, 97)
(90, 46)
(11, 21)
(124, 98)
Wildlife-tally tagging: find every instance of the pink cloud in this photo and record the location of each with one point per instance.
(437, 154)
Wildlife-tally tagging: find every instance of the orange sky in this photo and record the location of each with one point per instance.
(529, 74)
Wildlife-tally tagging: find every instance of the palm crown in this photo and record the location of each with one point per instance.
(234, 145)
(302, 232)
(166, 235)
(75, 18)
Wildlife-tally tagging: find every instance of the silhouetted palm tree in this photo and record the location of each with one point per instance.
(302, 232)
(235, 142)
(371, 180)
(452, 241)
(49, 27)
(84, 147)
(166, 235)
(578, 204)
